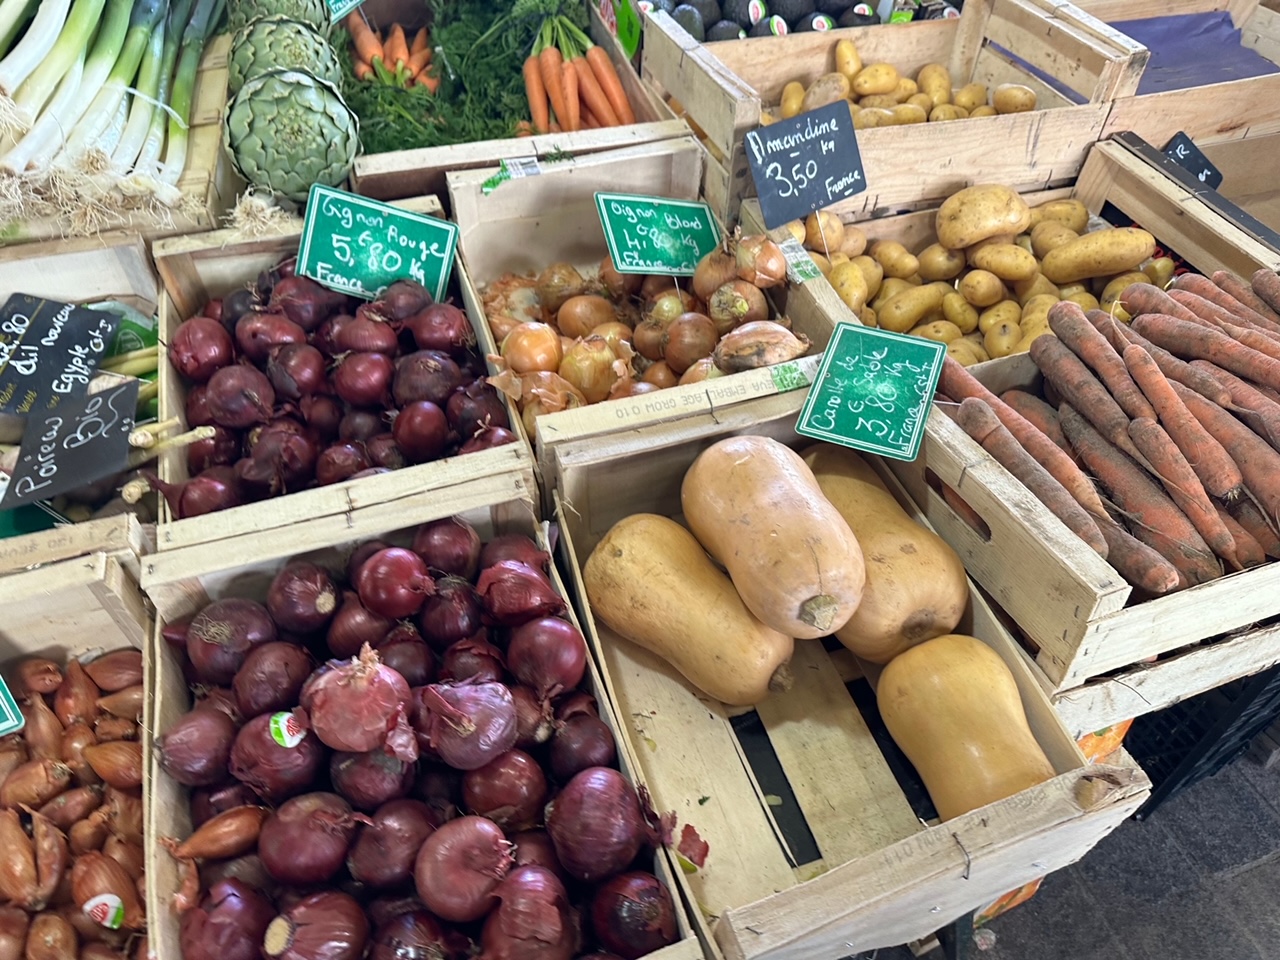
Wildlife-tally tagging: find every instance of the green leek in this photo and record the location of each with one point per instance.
(148, 85)
(149, 154)
(203, 20)
(71, 43)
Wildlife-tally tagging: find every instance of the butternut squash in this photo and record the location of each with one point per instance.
(757, 509)
(916, 585)
(650, 581)
(953, 707)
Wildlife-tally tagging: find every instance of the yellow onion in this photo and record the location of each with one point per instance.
(704, 369)
(616, 334)
(553, 391)
(690, 338)
(618, 284)
(627, 387)
(591, 367)
(579, 314)
(735, 303)
(558, 283)
(647, 339)
(532, 346)
(761, 261)
(713, 271)
(628, 312)
(759, 344)
(660, 375)
(655, 284)
(666, 306)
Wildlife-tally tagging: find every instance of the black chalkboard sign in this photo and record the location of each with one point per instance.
(84, 439)
(806, 163)
(1188, 156)
(49, 351)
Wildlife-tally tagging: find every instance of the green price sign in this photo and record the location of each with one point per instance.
(11, 718)
(361, 247)
(340, 8)
(873, 391)
(656, 235)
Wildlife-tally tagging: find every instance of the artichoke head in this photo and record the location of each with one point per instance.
(312, 12)
(279, 43)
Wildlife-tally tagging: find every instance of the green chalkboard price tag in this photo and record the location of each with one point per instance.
(361, 247)
(11, 718)
(656, 235)
(340, 8)
(873, 391)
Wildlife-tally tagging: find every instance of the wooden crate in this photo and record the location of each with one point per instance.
(209, 182)
(413, 173)
(884, 877)
(725, 86)
(195, 269)
(528, 224)
(492, 509)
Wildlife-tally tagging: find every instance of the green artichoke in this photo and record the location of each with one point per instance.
(312, 12)
(286, 130)
(278, 43)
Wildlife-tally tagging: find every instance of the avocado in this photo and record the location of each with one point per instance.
(770, 27)
(833, 7)
(859, 15)
(792, 11)
(725, 30)
(709, 9)
(814, 21)
(745, 13)
(666, 6)
(689, 18)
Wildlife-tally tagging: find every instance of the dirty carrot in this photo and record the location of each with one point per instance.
(1121, 336)
(1068, 321)
(1193, 342)
(1248, 550)
(1136, 562)
(1148, 298)
(549, 61)
(569, 77)
(965, 512)
(1260, 412)
(1039, 414)
(1250, 517)
(364, 39)
(1207, 310)
(421, 41)
(537, 94)
(592, 96)
(395, 49)
(1266, 284)
(980, 422)
(607, 77)
(524, 129)
(1080, 388)
(1218, 473)
(1229, 283)
(1254, 338)
(1206, 289)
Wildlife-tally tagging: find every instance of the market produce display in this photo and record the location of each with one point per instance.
(712, 21)
(441, 782)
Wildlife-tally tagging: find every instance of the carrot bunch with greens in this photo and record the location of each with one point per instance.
(571, 83)
(391, 61)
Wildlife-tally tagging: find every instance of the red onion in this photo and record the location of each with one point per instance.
(533, 717)
(383, 452)
(228, 924)
(199, 347)
(509, 790)
(579, 743)
(633, 915)
(305, 841)
(282, 461)
(220, 450)
(339, 462)
(196, 748)
(302, 597)
(486, 438)
(596, 824)
(271, 678)
(296, 370)
(325, 336)
(533, 920)
(384, 851)
(405, 652)
(459, 866)
(236, 304)
(386, 908)
(223, 633)
(257, 334)
(475, 658)
(403, 299)
(239, 396)
(394, 582)
(441, 326)
(514, 593)
(322, 414)
(534, 847)
(439, 787)
(368, 780)
(574, 703)
(367, 335)
(450, 545)
(195, 408)
(208, 802)
(215, 489)
(360, 705)
(362, 553)
(425, 375)
(364, 379)
(474, 406)
(175, 633)
(452, 614)
(219, 698)
(421, 431)
(354, 626)
(212, 310)
(275, 756)
(304, 301)
(247, 868)
(324, 926)
(415, 935)
(467, 723)
(548, 654)
(360, 425)
(514, 546)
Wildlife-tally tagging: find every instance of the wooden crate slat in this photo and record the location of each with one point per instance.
(86, 269)
(1051, 45)
(71, 605)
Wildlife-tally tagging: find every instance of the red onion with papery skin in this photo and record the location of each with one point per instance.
(306, 840)
(414, 935)
(223, 633)
(340, 461)
(302, 597)
(633, 915)
(403, 299)
(364, 379)
(574, 703)
(459, 866)
(360, 706)
(175, 633)
(475, 406)
(452, 614)
(195, 408)
(219, 698)
(271, 678)
(467, 723)
(513, 593)
(383, 452)
(368, 780)
(486, 438)
(304, 301)
(510, 790)
(514, 546)
(394, 583)
(421, 431)
(215, 489)
(439, 787)
(360, 554)
(472, 659)
(247, 869)
(385, 850)
(580, 742)
(276, 769)
(212, 310)
(325, 337)
(425, 375)
(360, 425)
(199, 347)
(533, 920)
(296, 370)
(597, 825)
(281, 462)
(238, 396)
(405, 652)
(258, 334)
(533, 717)
(220, 450)
(353, 626)
(367, 335)
(449, 546)
(208, 802)
(548, 654)
(324, 926)
(441, 326)
(389, 906)
(228, 924)
(534, 848)
(196, 748)
(322, 414)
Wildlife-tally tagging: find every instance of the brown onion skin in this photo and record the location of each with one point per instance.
(116, 670)
(384, 852)
(228, 924)
(306, 840)
(509, 790)
(274, 772)
(196, 750)
(271, 678)
(633, 915)
(76, 804)
(369, 780)
(323, 926)
(13, 932)
(460, 866)
(76, 699)
(50, 937)
(222, 634)
(39, 675)
(34, 783)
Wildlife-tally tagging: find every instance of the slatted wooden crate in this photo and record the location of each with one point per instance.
(527, 224)
(884, 877)
(196, 269)
(725, 86)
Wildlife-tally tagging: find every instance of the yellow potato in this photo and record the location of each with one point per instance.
(848, 63)
(767, 118)
(872, 272)
(792, 98)
(796, 229)
(1023, 240)
(941, 330)
(960, 311)
(970, 96)
(1085, 300)
(944, 112)
(1099, 254)
(1067, 289)
(1073, 213)
(1007, 261)
(1006, 311)
(939, 263)
(923, 101)
(1036, 310)
(906, 89)
(1116, 286)
(1037, 285)
(1013, 98)
(915, 279)
(1023, 345)
(827, 89)
(868, 317)
(855, 241)
(872, 117)
(890, 287)
(981, 288)
(895, 258)
(983, 110)
(849, 284)
(935, 80)
(823, 232)
(979, 212)
(1049, 235)
(906, 113)
(1002, 338)
(886, 100)
(876, 78)
(1159, 271)
(823, 263)
(963, 353)
(908, 308)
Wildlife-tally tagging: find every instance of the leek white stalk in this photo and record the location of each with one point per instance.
(71, 42)
(15, 161)
(135, 131)
(13, 15)
(149, 154)
(202, 22)
(23, 59)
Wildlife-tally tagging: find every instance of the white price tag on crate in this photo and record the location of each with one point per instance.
(516, 168)
(800, 266)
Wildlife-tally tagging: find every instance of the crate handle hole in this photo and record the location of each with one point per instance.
(959, 506)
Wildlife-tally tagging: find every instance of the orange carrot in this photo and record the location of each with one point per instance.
(1218, 473)
(569, 77)
(395, 48)
(1205, 288)
(363, 38)
(418, 62)
(958, 382)
(1205, 309)
(1254, 338)
(1080, 388)
(1136, 562)
(1155, 519)
(421, 41)
(980, 422)
(549, 61)
(1194, 342)
(1260, 412)
(1148, 298)
(1266, 284)
(1182, 485)
(592, 95)
(588, 119)
(425, 79)
(1068, 321)
(607, 77)
(1039, 414)
(524, 129)
(1249, 551)
(1229, 283)
(362, 70)
(1250, 517)
(965, 512)
(1120, 336)
(537, 94)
